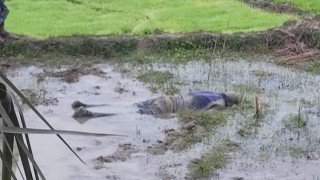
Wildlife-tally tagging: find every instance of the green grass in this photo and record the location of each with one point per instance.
(158, 80)
(206, 119)
(43, 18)
(247, 88)
(153, 76)
(294, 121)
(196, 126)
(307, 5)
(313, 68)
(210, 162)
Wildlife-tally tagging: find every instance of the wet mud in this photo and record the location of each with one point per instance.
(71, 74)
(281, 143)
(123, 152)
(38, 97)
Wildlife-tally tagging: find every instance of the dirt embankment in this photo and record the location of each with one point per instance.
(269, 5)
(301, 37)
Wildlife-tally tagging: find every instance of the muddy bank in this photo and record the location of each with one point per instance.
(269, 5)
(293, 38)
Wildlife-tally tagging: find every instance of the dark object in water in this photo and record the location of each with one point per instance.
(77, 104)
(83, 113)
(196, 100)
(163, 105)
(5, 98)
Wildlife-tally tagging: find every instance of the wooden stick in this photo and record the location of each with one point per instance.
(257, 106)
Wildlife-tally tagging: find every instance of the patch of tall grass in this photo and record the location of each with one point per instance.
(44, 18)
(218, 157)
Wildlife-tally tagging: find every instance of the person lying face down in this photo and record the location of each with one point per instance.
(196, 100)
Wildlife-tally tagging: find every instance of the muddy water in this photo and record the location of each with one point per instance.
(271, 152)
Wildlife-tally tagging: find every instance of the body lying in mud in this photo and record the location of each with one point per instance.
(196, 100)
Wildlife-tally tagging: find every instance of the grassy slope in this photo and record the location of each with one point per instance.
(44, 18)
(308, 5)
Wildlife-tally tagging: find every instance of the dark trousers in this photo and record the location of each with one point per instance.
(3, 13)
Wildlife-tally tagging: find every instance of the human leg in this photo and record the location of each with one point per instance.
(4, 11)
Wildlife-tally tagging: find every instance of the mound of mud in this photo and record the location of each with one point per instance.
(299, 39)
(123, 152)
(71, 74)
(268, 5)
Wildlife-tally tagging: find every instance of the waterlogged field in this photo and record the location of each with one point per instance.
(282, 143)
(45, 18)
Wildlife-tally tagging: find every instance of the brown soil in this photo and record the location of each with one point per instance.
(177, 140)
(301, 41)
(8, 64)
(72, 74)
(195, 127)
(122, 154)
(39, 97)
(268, 5)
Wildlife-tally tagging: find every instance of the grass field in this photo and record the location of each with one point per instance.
(307, 5)
(43, 18)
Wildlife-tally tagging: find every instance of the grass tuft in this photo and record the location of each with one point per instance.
(159, 80)
(313, 68)
(156, 77)
(294, 121)
(206, 119)
(210, 162)
(196, 126)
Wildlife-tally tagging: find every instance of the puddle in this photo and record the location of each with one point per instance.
(271, 152)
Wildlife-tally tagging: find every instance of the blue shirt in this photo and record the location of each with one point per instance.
(202, 99)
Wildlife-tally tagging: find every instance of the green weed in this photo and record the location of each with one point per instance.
(153, 76)
(158, 80)
(313, 68)
(215, 159)
(294, 121)
(196, 126)
(297, 152)
(171, 90)
(247, 88)
(210, 163)
(206, 119)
